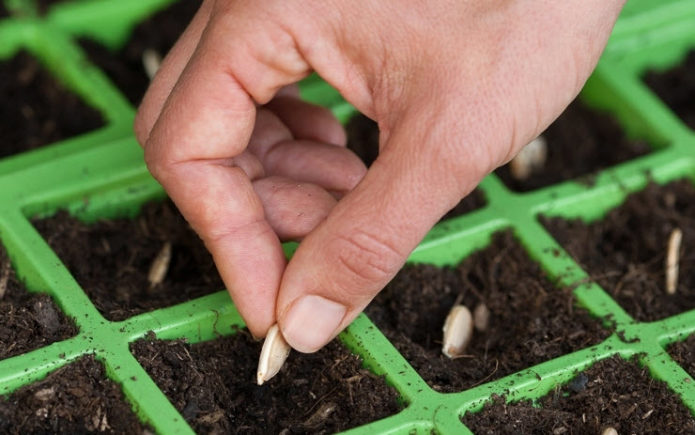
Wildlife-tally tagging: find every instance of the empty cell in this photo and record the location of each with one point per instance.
(213, 385)
(28, 321)
(626, 251)
(580, 142)
(529, 321)
(613, 393)
(37, 110)
(676, 87)
(122, 264)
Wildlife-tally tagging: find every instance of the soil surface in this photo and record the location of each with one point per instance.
(612, 393)
(581, 142)
(677, 88)
(111, 259)
(213, 385)
(77, 398)
(625, 252)
(28, 321)
(43, 6)
(37, 110)
(683, 352)
(531, 321)
(3, 11)
(159, 33)
(363, 139)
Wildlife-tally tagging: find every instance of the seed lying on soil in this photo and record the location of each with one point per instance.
(609, 431)
(481, 317)
(458, 331)
(4, 277)
(151, 61)
(531, 158)
(672, 257)
(160, 266)
(273, 355)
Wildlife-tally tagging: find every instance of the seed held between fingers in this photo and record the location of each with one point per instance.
(273, 355)
(672, 259)
(151, 61)
(160, 266)
(458, 331)
(531, 158)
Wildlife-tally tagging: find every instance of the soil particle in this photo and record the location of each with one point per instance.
(159, 33)
(213, 385)
(120, 253)
(77, 398)
(580, 142)
(677, 88)
(617, 394)
(37, 110)
(28, 321)
(363, 140)
(625, 251)
(530, 320)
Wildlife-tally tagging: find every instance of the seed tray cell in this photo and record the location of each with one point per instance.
(100, 176)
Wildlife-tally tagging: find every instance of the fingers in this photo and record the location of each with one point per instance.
(308, 121)
(293, 209)
(352, 255)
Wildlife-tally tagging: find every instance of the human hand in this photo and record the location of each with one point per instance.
(456, 87)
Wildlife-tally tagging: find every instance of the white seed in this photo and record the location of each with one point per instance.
(458, 331)
(273, 355)
(4, 277)
(160, 265)
(481, 317)
(151, 61)
(531, 158)
(672, 258)
(609, 431)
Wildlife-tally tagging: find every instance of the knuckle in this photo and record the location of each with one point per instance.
(366, 259)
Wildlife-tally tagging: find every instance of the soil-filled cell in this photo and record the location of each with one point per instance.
(625, 252)
(580, 142)
(27, 320)
(612, 393)
(683, 352)
(676, 87)
(530, 321)
(212, 384)
(77, 398)
(158, 34)
(363, 140)
(112, 259)
(37, 110)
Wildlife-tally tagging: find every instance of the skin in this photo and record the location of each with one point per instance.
(457, 88)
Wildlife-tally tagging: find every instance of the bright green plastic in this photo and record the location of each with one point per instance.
(101, 174)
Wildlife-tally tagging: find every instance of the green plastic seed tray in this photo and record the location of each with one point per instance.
(101, 174)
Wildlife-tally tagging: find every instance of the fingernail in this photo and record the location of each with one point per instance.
(311, 321)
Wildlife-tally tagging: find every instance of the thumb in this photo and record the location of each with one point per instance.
(339, 267)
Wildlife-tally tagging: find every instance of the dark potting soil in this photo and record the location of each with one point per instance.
(363, 140)
(683, 352)
(28, 321)
(37, 110)
(43, 6)
(625, 251)
(677, 88)
(158, 33)
(3, 11)
(580, 142)
(531, 321)
(77, 398)
(111, 259)
(612, 393)
(213, 385)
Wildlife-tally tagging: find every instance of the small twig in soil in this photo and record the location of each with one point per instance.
(151, 61)
(317, 419)
(4, 277)
(458, 331)
(531, 158)
(273, 355)
(672, 257)
(160, 266)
